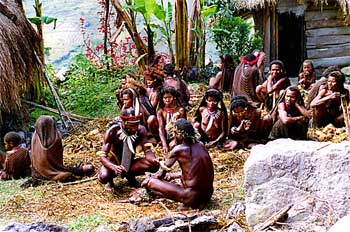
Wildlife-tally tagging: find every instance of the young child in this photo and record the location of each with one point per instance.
(307, 75)
(211, 119)
(17, 162)
(197, 172)
(247, 126)
(169, 110)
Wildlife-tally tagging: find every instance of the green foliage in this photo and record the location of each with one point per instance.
(233, 36)
(89, 90)
(85, 222)
(43, 19)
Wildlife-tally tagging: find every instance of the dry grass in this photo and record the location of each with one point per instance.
(60, 203)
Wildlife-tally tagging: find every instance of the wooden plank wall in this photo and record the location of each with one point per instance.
(327, 37)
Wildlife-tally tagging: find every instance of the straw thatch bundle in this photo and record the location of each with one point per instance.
(255, 4)
(19, 68)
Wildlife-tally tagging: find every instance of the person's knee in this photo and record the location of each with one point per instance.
(103, 177)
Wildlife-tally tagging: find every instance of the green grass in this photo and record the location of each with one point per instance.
(85, 222)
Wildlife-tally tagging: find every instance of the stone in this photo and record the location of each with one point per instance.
(312, 176)
(236, 209)
(342, 225)
(34, 227)
(235, 228)
(141, 225)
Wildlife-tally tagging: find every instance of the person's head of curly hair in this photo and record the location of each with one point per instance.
(12, 138)
(184, 129)
(238, 101)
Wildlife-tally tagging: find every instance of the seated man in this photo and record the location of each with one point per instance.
(196, 166)
(326, 106)
(211, 118)
(275, 84)
(307, 75)
(247, 126)
(119, 149)
(293, 118)
(47, 153)
(17, 161)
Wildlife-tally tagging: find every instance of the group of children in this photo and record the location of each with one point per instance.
(155, 112)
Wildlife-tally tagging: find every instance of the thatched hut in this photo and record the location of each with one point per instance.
(19, 69)
(295, 30)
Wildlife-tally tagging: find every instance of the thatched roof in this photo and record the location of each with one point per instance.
(256, 4)
(18, 66)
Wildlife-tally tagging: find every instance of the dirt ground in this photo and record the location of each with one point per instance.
(57, 202)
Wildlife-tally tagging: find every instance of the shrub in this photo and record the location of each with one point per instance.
(233, 36)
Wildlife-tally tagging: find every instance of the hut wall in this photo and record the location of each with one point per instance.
(327, 36)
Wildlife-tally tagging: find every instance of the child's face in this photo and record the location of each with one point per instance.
(307, 68)
(127, 101)
(149, 82)
(290, 98)
(212, 102)
(168, 99)
(8, 146)
(123, 83)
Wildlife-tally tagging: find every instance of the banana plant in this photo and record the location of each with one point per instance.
(181, 35)
(147, 8)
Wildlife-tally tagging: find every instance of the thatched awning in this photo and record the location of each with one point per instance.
(256, 4)
(18, 66)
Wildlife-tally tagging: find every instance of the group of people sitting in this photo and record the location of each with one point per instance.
(155, 112)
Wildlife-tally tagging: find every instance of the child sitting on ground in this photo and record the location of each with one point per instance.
(17, 161)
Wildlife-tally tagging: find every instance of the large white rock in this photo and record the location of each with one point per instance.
(313, 176)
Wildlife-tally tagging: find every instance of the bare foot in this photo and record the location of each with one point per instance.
(109, 187)
(230, 145)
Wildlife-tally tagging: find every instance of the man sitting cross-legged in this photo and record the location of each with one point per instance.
(197, 170)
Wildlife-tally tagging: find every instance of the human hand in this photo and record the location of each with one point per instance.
(334, 95)
(165, 148)
(210, 144)
(246, 124)
(118, 169)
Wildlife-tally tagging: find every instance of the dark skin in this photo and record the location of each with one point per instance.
(306, 78)
(197, 175)
(178, 112)
(327, 105)
(275, 83)
(217, 130)
(111, 166)
(119, 91)
(291, 99)
(246, 124)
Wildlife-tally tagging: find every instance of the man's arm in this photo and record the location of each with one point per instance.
(282, 113)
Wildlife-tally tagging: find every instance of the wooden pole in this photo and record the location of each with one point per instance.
(345, 108)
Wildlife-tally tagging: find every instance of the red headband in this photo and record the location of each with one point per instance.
(244, 61)
(131, 117)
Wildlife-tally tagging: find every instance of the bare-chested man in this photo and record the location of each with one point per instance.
(119, 149)
(197, 170)
(211, 119)
(276, 82)
(247, 125)
(293, 118)
(326, 106)
(168, 112)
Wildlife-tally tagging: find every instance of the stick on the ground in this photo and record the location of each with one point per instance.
(274, 218)
(80, 181)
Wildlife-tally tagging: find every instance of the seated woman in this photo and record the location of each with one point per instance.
(179, 84)
(326, 106)
(17, 161)
(169, 110)
(197, 171)
(293, 118)
(307, 75)
(47, 154)
(247, 126)
(211, 119)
